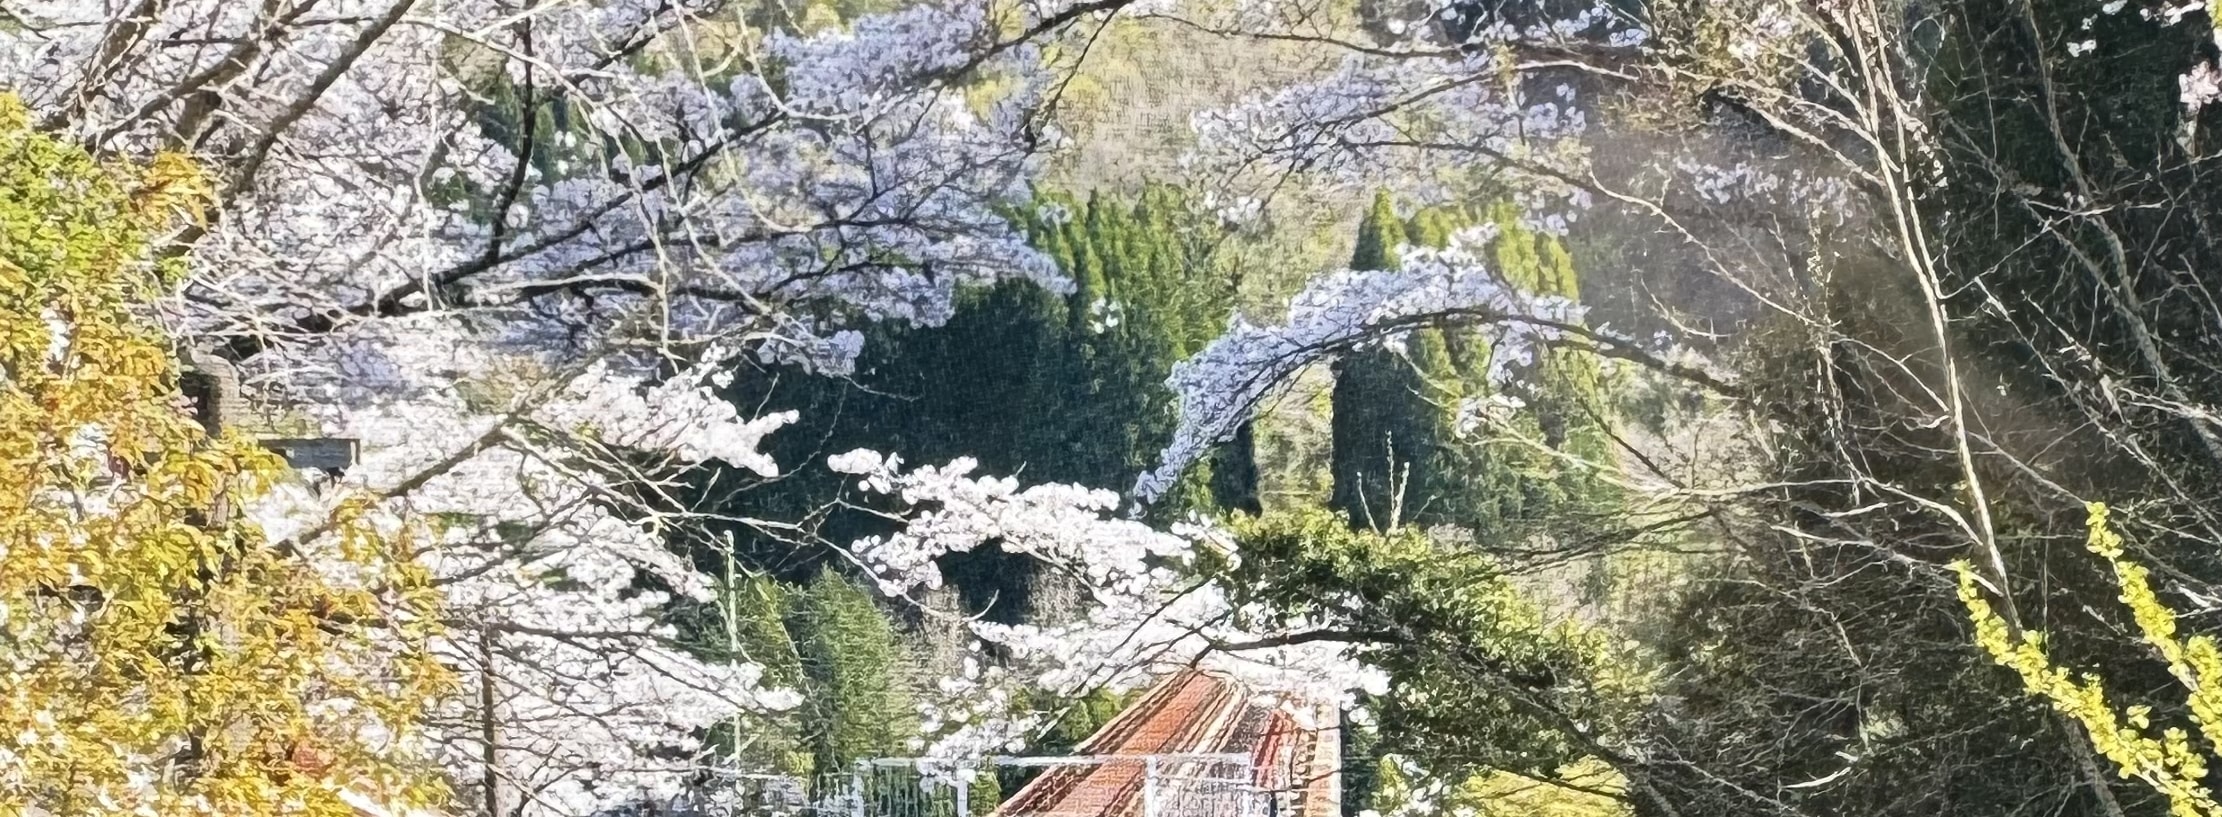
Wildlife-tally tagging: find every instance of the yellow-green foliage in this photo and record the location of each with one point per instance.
(1586, 788)
(2167, 761)
(158, 656)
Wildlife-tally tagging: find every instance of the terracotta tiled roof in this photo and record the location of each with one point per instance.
(1191, 713)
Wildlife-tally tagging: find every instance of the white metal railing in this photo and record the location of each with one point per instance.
(1172, 785)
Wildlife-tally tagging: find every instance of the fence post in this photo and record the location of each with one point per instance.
(1149, 786)
(859, 780)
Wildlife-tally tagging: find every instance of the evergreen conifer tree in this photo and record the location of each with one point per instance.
(1393, 409)
(855, 707)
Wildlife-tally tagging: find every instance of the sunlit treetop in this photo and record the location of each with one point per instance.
(159, 653)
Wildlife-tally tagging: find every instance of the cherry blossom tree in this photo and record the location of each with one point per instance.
(510, 245)
(513, 245)
(1150, 605)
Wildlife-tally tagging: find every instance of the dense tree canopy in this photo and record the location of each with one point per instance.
(165, 650)
(1666, 408)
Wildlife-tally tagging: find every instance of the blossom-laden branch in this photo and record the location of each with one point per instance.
(509, 246)
(1148, 607)
(1221, 386)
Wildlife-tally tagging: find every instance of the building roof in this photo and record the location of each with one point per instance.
(1292, 767)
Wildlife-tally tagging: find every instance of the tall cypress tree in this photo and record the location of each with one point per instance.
(854, 703)
(1397, 455)
(759, 609)
(1380, 237)
(1565, 391)
(1234, 472)
(1365, 406)
(1393, 409)
(1496, 486)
